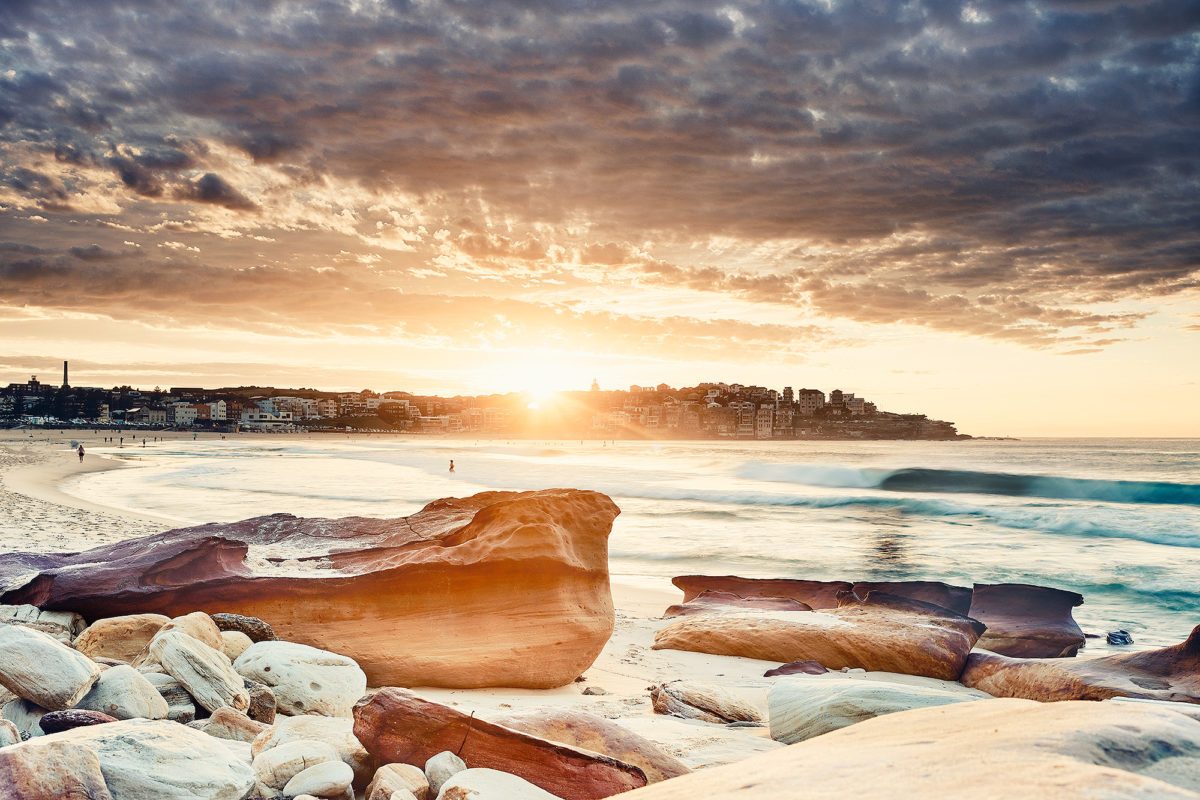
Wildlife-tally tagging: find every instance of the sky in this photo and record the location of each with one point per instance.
(988, 212)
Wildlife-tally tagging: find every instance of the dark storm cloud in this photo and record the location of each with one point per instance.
(953, 160)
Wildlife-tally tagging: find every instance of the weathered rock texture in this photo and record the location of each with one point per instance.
(706, 702)
(43, 670)
(305, 680)
(1171, 673)
(821, 594)
(59, 721)
(396, 726)
(499, 589)
(1027, 621)
(882, 633)
(122, 638)
(61, 625)
(337, 732)
(51, 771)
(711, 600)
(990, 749)
(802, 707)
(600, 735)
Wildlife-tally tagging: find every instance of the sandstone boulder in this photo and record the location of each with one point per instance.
(229, 723)
(275, 767)
(490, 784)
(396, 726)
(43, 670)
(797, 668)
(801, 707)
(1027, 621)
(159, 759)
(51, 770)
(499, 589)
(1169, 673)
(63, 626)
(234, 643)
(993, 749)
(125, 693)
(392, 778)
(122, 638)
(205, 672)
(181, 706)
(880, 633)
(711, 600)
(337, 732)
(441, 768)
(262, 702)
(305, 680)
(814, 594)
(329, 779)
(590, 732)
(706, 702)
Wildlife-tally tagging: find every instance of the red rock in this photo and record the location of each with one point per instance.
(398, 727)
(57, 721)
(881, 633)
(1171, 673)
(51, 770)
(711, 600)
(1027, 621)
(955, 598)
(499, 589)
(815, 594)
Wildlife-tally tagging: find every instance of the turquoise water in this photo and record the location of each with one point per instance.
(1116, 520)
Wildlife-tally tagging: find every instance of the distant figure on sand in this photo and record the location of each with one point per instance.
(451, 464)
(80, 451)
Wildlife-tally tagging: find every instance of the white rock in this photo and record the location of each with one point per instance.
(157, 759)
(8, 733)
(204, 672)
(181, 707)
(61, 625)
(305, 680)
(41, 669)
(392, 778)
(26, 716)
(804, 706)
(275, 767)
(234, 643)
(441, 768)
(323, 780)
(229, 723)
(491, 784)
(124, 693)
(338, 732)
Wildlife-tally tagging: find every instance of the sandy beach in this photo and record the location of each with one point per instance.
(42, 516)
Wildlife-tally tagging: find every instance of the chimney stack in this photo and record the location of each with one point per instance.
(65, 384)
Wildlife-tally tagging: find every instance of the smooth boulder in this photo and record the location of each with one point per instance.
(880, 633)
(498, 589)
(329, 779)
(59, 721)
(489, 784)
(803, 706)
(337, 732)
(441, 768)
(1169, 673)
(51, 770)
(36, 667)
(160, 759)
(305, 680)
(206, 673)
(392, 778)
(396, 726)
(275, 767)
(122, 638)
(125, 693)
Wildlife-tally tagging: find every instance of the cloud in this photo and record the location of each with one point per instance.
(995, 170)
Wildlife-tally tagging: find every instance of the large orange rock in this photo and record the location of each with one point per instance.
(498, 589)
(881, 633)
(1170, 673)
(1027, 621)
(395, 726)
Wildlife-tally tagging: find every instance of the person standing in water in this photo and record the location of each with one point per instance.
(452, 465)
(80, 451)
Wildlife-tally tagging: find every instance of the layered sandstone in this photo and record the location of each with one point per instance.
(1027, 621)
(880, 633)
(498, 589)
(988, 749)
(1170, 673)
(397, 727)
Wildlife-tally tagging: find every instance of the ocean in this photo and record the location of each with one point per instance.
(1117, 520)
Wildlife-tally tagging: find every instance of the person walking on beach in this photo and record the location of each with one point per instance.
(452, 465)
(80, 451)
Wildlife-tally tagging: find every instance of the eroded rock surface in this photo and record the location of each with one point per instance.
(499, 589)
(1027, 621)
(1170, 673)
(881, 633)
(51, 771)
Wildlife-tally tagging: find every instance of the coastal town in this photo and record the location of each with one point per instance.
(704, 411)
